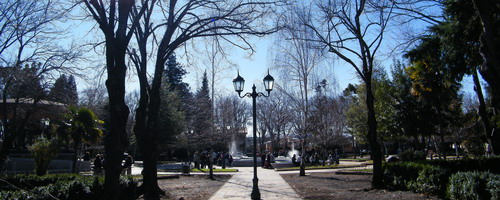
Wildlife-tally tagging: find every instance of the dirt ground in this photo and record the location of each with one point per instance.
(331, 186)
(195, 187)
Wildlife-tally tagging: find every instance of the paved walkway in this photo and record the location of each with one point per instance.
(271, 186)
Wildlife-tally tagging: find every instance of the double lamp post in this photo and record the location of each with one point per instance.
(239, 83)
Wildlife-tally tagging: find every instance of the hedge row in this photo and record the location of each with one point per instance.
(474, 185)
(62, 187)
(490, 164)
(446, 178)
(415, 177)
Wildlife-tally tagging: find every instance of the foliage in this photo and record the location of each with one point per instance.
(63, 187)
(82, 128)
(43, 150)
(432, 176)
(417, 177)
(384, 108)
(410, 117)
(171, 117)
(64, 90)
(411, 155)
(478, 164)
(474, 186)
(84, 125)
(202, 120)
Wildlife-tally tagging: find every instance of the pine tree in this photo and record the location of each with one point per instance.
(64, 90)
(72, 91)
(174, 73)
(58, 91)
(203, 113)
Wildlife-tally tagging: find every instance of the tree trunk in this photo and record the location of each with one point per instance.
(116, 140)
(482, 109)
(489, 50)
(75, 157)
(211, 164)
(11, 129)
(302, 160)
(372, 137)
(145, 130)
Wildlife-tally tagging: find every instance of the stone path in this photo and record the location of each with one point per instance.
(271, 186)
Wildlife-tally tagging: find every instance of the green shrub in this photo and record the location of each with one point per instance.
(432, 180)
(479, 164)
(398, 175)
(43, 150)
(410, 155)
(128, 188)
(73, 187)
(494, 187)
(474, 186)
(417, 177)
(31, 181)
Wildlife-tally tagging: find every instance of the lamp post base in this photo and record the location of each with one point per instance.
(255, 190)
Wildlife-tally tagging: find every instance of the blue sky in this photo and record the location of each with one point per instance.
(253, 69)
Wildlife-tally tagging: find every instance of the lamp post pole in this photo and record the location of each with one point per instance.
(239, 83)
(255, 189)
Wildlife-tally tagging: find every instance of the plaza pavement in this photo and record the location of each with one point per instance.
(271, 186)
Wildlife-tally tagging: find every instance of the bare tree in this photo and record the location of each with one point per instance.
(354, 31)
(113, 20)
(95, 98)
(327, 119)
(297, 56)
(183, 22)
(29, 57)
(275, 116)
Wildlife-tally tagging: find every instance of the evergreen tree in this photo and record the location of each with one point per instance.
(72, 91)
(172, 117)
(174, 73)
(57, 92)
(173, 77)
(64, 90)
(203, 114)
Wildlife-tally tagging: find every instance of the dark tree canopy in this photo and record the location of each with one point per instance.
(64, 90)
(203, 113)
(174, 74)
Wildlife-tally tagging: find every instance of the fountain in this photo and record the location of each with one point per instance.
(282, 161)
(233, 151)
(293, 151)
(239, 159)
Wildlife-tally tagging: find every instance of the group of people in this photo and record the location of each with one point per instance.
(203, 159)
(267, 159)
(100, 160)
(314, 159)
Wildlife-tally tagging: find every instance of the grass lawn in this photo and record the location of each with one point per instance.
(202, 170)
(355, 160)
(316, 167)
(358, 170)
(215, 170)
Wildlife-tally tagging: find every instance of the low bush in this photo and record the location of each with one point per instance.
(464, 165)
(73, 187)
(432, 180)
(417, 177)
(410, 155)
(474, 186)
(31, 181)
(433, 177)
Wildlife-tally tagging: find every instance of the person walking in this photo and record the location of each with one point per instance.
(97, 164)
(196, 160)
(230, 160)
(127, 166)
